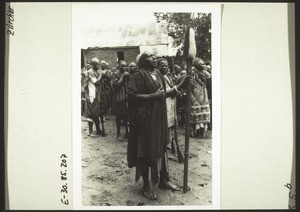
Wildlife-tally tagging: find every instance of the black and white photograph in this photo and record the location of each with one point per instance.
(149, 106)
(146, 106)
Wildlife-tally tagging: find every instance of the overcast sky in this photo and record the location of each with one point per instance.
(95, 15)
(88, 16)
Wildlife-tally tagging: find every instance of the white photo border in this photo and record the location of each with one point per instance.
(215, 10)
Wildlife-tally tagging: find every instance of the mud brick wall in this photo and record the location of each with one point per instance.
(110, 55)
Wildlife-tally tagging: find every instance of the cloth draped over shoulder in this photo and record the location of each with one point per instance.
(92, 88)
(93, 94)
(148, 120)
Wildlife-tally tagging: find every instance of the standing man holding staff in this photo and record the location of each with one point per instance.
(148, 126)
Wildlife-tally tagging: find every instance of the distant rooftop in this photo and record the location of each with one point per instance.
(114, 47)
(129, 35)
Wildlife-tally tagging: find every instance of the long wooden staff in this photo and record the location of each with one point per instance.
(189, 53)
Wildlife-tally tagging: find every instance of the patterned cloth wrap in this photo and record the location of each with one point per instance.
(200, 110)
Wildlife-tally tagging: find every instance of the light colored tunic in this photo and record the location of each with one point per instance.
(92, 78)
(171, 102)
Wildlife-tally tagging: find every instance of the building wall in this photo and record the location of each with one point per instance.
(110, 54)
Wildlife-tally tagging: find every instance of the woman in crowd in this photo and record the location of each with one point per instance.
(209, 92)
(200, 109)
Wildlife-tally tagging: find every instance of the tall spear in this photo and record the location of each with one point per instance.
(189, 53)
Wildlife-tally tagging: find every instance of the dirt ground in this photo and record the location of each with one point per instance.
(106, 179)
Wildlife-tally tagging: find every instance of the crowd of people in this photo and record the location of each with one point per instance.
(147, 98)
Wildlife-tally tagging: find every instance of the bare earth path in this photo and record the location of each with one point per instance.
(106, 179)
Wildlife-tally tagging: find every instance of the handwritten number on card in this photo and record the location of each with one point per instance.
(63, 177)
(65, 201)
(63, 156)
(63, 161)
(64, 189)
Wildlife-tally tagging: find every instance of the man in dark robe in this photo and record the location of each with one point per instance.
(148, 139)
(106, 87)
(120, 80)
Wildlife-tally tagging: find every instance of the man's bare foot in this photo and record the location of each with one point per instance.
(149, 195)
(92, 134)
(148, 192)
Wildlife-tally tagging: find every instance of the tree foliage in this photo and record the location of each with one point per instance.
(200, 22)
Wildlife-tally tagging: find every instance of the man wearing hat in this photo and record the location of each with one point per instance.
(148, 138)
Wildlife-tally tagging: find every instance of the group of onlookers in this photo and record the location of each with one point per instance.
(108, 87)
(146, 98)
(103, 91)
